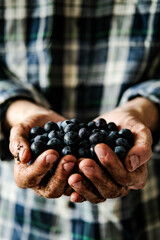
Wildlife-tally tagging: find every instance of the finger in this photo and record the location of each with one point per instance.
(76, 197)
(19, 146)
(68, 190)
(141, 152)
(84, 188)
(105, 185)
(56, 185)
(30, 176)
(118, 171)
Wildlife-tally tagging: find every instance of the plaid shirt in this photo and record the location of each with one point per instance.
(80, 58)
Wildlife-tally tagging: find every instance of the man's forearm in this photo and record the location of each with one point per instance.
(20, 109)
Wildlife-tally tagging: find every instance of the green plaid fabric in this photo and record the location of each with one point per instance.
(80, 58)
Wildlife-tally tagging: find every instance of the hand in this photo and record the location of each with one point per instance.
(114, 178)
(35, 175)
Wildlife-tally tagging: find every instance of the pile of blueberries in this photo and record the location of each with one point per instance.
(79, 138)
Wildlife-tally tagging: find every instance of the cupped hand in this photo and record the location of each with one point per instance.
(112, 178)
(48, 174)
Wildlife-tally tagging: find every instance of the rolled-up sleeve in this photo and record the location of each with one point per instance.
(149, 89)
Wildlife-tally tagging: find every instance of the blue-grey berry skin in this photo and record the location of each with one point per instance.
(37, 148)
(83, 152)
(54, 134)
(61, 134)
(104, 132)
(113, 135)
(95, 130)
(91, 125)
(127, 134)
(43, 138)
(59, 123)
(110, 139)
(75, 121)
(82, 125)
(101, 123)
(84, 133)
(120, 152)
(71, 127)
(84, 143)
(55, 144)
(65, 123)
(50, 125)
(79, 138)
(36, 131)
(71, 138)
(96, 137)
(68, 150)
(111, 126)
(92, 152)
(122, 142)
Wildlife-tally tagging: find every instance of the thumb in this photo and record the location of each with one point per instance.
(141, 152)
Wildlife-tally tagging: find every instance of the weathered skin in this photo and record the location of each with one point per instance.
(110, 180)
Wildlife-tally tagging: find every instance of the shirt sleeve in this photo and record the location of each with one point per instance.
(149, 89)
(11, 90)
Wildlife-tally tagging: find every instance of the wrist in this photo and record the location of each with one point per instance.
(22, 109)
(144, 109)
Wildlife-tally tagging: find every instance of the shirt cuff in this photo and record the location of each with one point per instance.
(10, 91)
(149, 89)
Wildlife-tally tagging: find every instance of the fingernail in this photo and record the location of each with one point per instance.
(21, 153)
(51, 158)
(101, 152)
(75, 199)
(77, 184)
(68, 166)
(88, 170)
(134, 161)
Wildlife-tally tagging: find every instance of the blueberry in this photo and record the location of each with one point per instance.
(36, 131)
(122, 142)
(111, 126)
(60, 134)
(49, 126)
(54, 134)
(91, 124)
(120, 152)
(43, 137)
(71, 138)
(71, 127)
(101, 123)
(96, 137)
(65, 123)
(104, 132)
(59, 123)
(37, 148)
(110, 139)
(68, 150)
(127, 134)
(92, 152)
(84, 133)
(55, 144)
(95, 130)
(84, 143)
(82, 125)
(75, 121)
(83, 152)
(92, 149)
